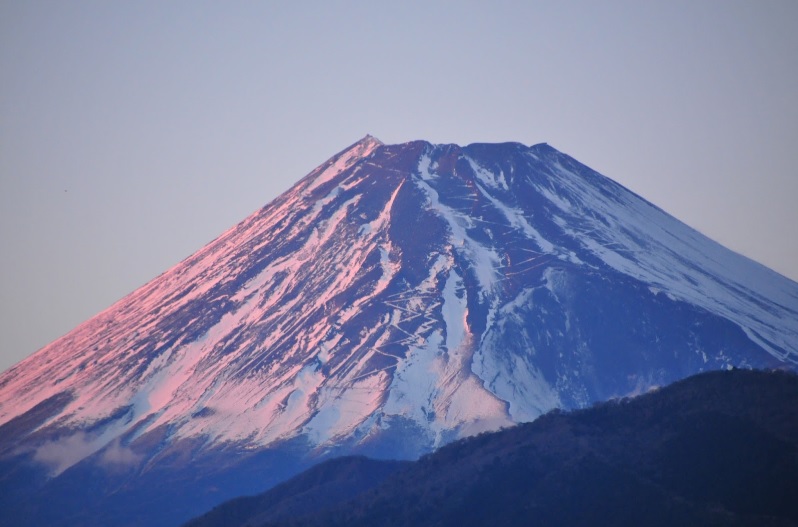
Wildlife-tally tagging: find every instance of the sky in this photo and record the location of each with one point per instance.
(133, 133)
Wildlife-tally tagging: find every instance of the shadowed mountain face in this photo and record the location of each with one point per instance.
(395, 299)
(717, 449)
(322, 487)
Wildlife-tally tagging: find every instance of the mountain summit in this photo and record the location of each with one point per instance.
(396, 298)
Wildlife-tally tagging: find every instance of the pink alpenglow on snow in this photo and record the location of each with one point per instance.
(424, 291)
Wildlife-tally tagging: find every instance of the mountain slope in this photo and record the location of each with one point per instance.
(396, 298)
(324, 486)
(716, 449)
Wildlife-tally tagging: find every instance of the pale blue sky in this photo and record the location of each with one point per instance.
(132, 133)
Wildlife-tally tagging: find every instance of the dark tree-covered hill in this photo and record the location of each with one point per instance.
(719, 448)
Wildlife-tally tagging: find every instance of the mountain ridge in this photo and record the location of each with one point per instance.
(396, 298)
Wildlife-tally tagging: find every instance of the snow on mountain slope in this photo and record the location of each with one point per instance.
(415, 290)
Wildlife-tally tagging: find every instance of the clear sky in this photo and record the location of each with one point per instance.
(132, 133)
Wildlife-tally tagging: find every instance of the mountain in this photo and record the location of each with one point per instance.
(316, 490)
(720, 448)
(395, 299)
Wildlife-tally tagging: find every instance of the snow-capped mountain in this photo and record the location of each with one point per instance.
(396, 298)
